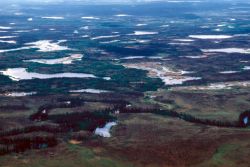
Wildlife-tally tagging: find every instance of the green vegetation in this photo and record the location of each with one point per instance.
(88, 157)
(218, 157)
(72, 156)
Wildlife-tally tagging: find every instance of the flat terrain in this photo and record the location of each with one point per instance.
(147, 140)
(161, 84)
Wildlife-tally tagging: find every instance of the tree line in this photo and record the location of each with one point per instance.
(191, 118)
(18, 144)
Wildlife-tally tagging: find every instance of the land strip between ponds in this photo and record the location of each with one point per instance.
(188, 117)
(45, 135)
(121, 107)
(62, 117)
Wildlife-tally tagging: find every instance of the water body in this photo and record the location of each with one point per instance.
(105, 131)
(17, 74)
